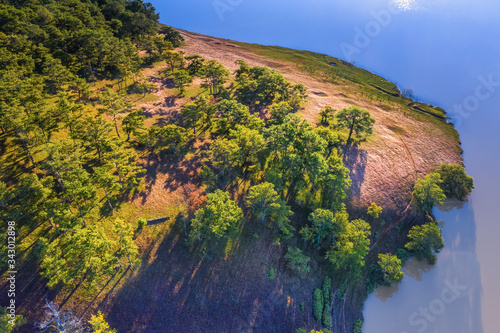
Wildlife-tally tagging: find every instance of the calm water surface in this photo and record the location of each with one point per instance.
(448, 52)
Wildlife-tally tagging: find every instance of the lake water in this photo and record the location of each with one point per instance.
(448, 52)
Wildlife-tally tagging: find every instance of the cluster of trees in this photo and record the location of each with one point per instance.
(76, 163)
(447, 181)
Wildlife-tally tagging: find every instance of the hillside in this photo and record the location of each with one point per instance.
(173, 273)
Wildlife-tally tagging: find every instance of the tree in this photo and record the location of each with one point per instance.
(325, 225)
(80, 188)
(232, 113)
(124, 163)
(195, 65)
(103, 179)
(99, 324)
(391, 267)
(215, 75)
(181, 80)
(172, 35)
(260, 198)
(427, 191)
(133, 122)
(126, 244)
(279, 111)
(356, 120)
(326, 114)
(113, 105)
(58, 321)
(425, 241)
(455, 182)
(84, 254)
(374, 210)
(218, 218)
(296, 261)
(250, 143)
(348, 254)
(174, 60)
(94, 132)
(8, 322)
(318, 303)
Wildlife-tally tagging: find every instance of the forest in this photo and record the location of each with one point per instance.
(75, 152)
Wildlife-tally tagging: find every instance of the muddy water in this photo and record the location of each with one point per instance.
(448, 52)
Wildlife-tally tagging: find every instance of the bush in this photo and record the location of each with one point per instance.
(456, 183)
(358, 326)
(403, 255)
(327, 318)
(302, 306)
(297, 261)
(270, 273)
(425, 240)
(141, 223)
(327, 295)
(318, 304)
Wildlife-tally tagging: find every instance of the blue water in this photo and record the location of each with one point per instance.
(448, 52)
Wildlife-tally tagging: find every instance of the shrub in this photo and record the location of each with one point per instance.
(297, 261)
(403, 255)
(358, 326)
(318, 303)
(456, 183)
(270, 273)
(327, 295)
(327, 318)
(141, 223)
(425, 240)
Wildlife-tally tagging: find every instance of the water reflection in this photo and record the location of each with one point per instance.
(445, 297)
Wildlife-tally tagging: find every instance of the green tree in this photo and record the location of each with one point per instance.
(260, 198)
(325, 225)
(318, 303)
(113, 105)
(94, 132)
(279, 111)
(133, 123)
(10, 324)
(425, 241)
(374, 210)
(99, 324)
(296, 261)
(84, 254)
(231, 113)
(326, 114)
(427, 191)
(195, 65)
(356, 120)
(391, 267)
(102, 178)
(348, 254)
(215, 75)
(175, 60)
(218, 218)
(455, 182)
(172, 35)
(181, 80)
(126, 245)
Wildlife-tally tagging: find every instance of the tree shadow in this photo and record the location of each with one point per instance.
(196, 288)
(355, 159)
